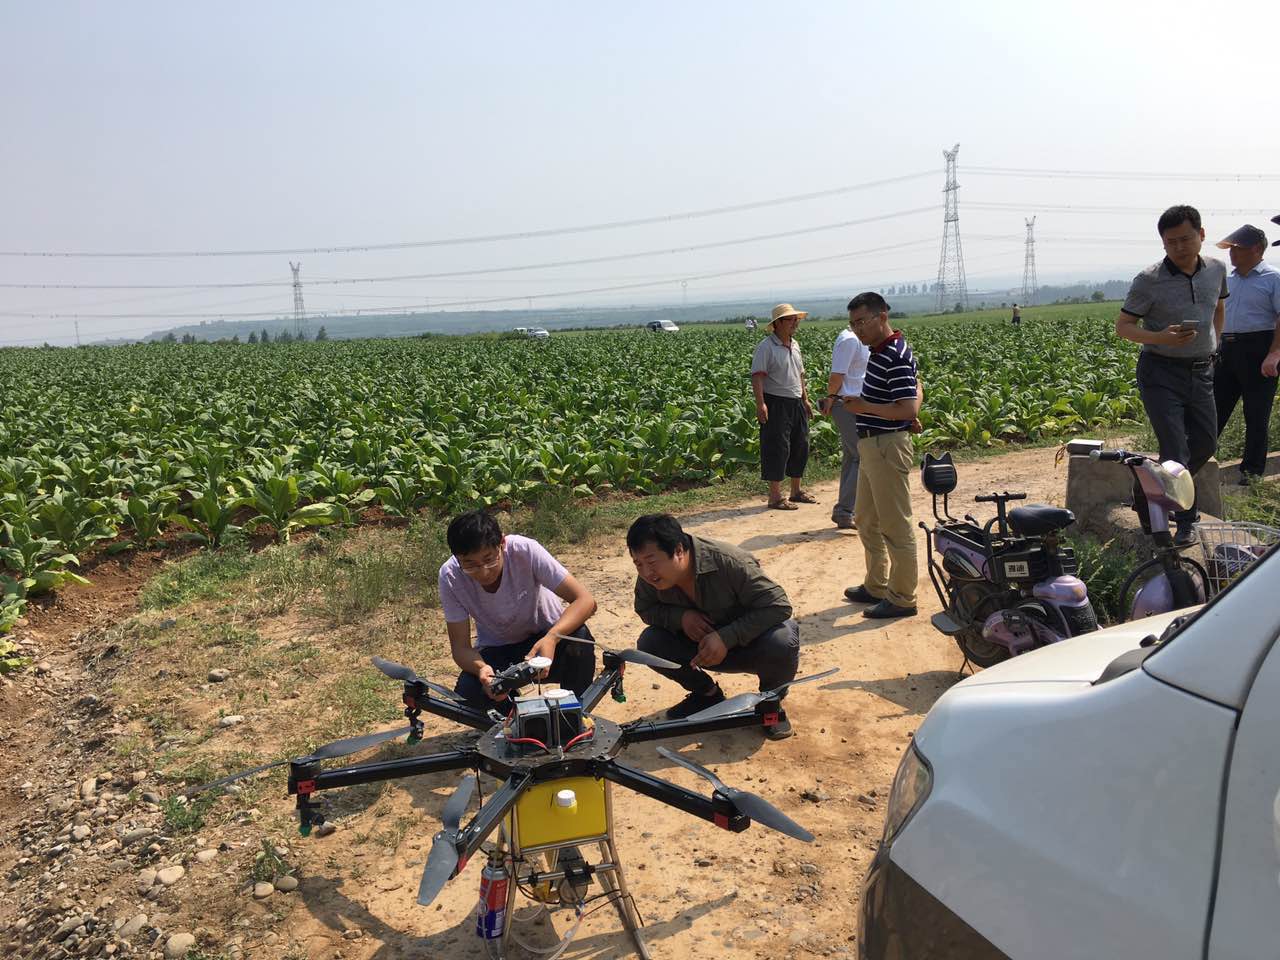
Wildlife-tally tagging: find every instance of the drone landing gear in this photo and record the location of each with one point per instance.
(566, 870)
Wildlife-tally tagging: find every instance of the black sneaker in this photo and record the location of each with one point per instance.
(1185, 534)
(860, 594)
(698, 700)
(884, 610)
(779, 731)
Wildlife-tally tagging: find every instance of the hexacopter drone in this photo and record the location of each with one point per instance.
(557, 762)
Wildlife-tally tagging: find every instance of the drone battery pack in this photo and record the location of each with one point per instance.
(535, 717)
(538, 821)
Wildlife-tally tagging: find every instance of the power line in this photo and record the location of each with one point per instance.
(1122, 175)
(489, 238)
(584, 261)
(487, 300)
(1103, 208)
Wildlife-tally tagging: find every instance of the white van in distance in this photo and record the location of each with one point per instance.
(662, 326)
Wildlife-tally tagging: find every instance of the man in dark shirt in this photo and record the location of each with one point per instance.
(708, 605)
(1175, 309)
(890, 401)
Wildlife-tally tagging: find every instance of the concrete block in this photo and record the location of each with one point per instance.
(1096, 487)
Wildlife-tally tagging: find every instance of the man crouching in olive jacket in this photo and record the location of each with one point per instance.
(709, 606)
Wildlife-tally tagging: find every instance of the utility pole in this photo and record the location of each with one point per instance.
(299, 315)
(1029, 266)
(951, 283)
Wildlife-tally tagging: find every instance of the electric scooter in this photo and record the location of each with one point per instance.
(1159, 490)
(1006, 586)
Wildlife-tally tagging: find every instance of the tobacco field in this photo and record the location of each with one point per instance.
(114, 448)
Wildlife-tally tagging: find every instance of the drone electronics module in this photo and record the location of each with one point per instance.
(556, 762)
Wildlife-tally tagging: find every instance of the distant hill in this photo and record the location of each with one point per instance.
(375, 325)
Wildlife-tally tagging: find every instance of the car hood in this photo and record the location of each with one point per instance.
(1077, 660)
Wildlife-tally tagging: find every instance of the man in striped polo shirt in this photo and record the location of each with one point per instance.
(889, 403)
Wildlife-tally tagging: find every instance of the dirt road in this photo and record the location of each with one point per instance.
(702, 891)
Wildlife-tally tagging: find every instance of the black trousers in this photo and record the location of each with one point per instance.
(1239, 377)
(571, 668)
(773, 657)
(784, 439)
(1178, 398)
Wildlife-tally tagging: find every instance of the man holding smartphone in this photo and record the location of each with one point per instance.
(1175, 309)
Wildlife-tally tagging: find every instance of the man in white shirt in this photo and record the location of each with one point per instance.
(848, 368)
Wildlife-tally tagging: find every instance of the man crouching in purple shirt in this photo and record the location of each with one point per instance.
(519, 597)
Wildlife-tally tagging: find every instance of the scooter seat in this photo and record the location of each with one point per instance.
(1038, 519)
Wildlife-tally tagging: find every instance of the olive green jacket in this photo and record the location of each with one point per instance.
(729, 588)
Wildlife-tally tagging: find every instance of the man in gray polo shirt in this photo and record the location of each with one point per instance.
(1250, 346)
(782, 407)
(1175, 309)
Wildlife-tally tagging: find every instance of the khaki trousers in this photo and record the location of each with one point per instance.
(882, 512)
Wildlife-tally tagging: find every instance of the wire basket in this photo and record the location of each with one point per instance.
(1229, 549)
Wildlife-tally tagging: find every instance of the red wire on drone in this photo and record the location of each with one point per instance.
(581, 736)
(538, 743)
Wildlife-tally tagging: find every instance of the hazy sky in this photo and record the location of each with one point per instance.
(141, 127)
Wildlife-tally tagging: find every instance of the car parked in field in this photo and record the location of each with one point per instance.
(662, 326)
(1113, 795)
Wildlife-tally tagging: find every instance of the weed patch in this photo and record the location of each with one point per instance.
(188, 817)
(201, 577)
(1103, 567)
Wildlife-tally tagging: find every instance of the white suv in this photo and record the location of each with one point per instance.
(662, 326)
(1113, 795)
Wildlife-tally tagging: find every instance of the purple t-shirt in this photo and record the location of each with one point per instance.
(524, 603)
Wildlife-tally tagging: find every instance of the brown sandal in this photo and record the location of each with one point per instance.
(781, 505)
(803, 497)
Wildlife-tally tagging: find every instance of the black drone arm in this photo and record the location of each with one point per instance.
(305, 779)
(718, 810)
(642, 731)
(609, 677)
(416, 697)
(490, 815)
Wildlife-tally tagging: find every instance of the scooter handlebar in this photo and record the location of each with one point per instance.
(1116, 455)
(997, 497)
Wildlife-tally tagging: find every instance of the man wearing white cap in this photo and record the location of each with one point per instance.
(782, 407)
(1250, 350)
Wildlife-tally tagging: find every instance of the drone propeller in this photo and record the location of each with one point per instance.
(330, 751)
(757, 808)
(398, 671)
(630, 655)
(748, 701)
(443, 859)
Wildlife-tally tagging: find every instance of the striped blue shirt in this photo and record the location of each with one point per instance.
(1255, 300)
(891, 376)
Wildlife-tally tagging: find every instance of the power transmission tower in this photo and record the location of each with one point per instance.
(1029, 266)
(77, 333)
(299, 315)
(951, 284)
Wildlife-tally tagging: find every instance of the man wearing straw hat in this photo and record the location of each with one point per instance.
(782, 407)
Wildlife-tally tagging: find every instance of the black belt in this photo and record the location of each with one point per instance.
(1191, 363)
(864, 432)
(1228, 337)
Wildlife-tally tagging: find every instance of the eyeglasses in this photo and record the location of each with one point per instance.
(472, 567)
